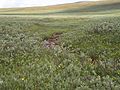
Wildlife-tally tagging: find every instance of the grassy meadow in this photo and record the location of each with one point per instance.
(86, 55)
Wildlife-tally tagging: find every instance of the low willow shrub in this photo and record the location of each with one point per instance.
(87, 58)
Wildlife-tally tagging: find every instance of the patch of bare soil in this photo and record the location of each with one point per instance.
(52, 41)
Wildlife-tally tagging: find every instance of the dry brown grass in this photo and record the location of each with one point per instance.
(53, 8)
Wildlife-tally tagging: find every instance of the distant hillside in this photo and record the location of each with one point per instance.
(98, 8)
(106, 6)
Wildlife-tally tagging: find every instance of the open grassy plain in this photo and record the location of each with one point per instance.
(87, 55)
(65, 51)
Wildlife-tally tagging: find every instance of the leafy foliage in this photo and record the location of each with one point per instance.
(87, 58)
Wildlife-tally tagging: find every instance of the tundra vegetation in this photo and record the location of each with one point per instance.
(62, 47)
(86, 56)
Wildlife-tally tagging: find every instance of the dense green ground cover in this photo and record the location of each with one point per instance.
(87, 57)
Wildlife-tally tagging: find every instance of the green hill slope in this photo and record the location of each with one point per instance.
(71, 8)
(98, 8)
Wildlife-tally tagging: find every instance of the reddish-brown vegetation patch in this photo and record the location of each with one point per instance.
(52, 41)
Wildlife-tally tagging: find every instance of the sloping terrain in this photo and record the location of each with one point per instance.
(46, 9)
(94, 9)
(70, 8)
